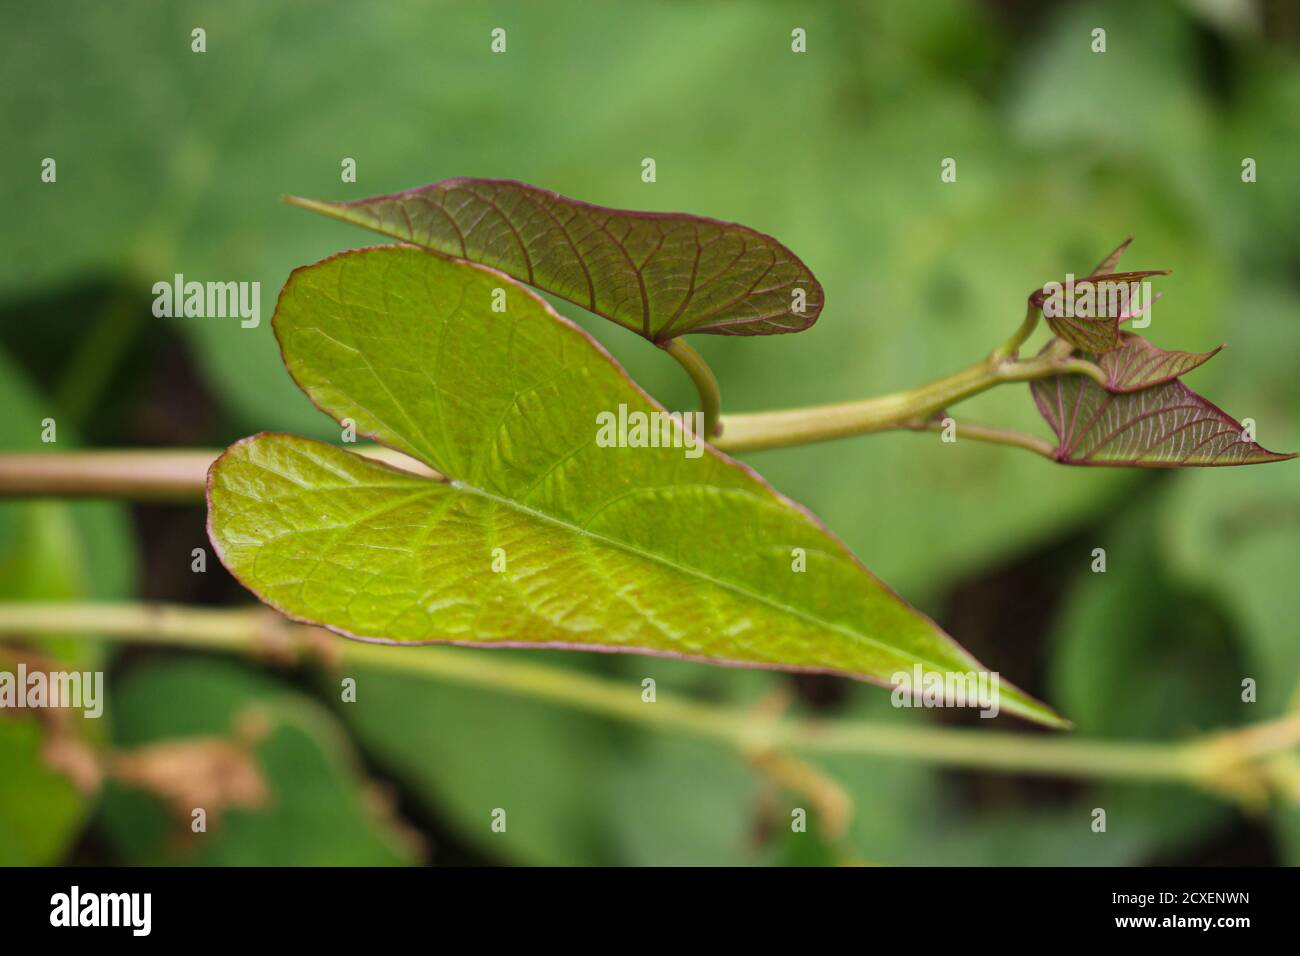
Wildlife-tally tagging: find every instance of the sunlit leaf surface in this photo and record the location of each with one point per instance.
(541, 536)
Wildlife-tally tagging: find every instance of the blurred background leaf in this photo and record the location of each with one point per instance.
(316, 808)
(50, 551)
(171, 161)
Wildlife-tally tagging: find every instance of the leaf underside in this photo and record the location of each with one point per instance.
(1099, 331)
(638, 549)
(1162, 426)
(1137, 364)
(659, 274)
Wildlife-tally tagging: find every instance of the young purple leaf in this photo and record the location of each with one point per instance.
(659, 274)
(1137, 364)
(1111, 262)
(1164, 426)
(1088, 313)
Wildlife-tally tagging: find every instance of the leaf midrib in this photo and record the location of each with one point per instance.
(458, 485)
(694, 572)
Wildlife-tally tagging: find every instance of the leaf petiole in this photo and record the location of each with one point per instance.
(1010, 349)
(992, 435)
(706, 383)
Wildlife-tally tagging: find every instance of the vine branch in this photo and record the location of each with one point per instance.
(135, 474)
(181, 475)
(799, 426)
(178, 475)
(1237, 763)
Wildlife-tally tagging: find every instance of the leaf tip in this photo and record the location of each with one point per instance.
(1057, 722)
(1035, 711)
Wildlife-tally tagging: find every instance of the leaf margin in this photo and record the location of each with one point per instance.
(1106, 362)
(1098, 333)
(1064, 456)
(337, 209)
(1014, 700)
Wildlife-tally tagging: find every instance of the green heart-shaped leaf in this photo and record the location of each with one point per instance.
(659, 274)
(541, 535)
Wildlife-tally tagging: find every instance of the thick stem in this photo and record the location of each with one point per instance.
(705, 381)
(1207, 761)
(143, 475)
(800, 426)
(178, 475)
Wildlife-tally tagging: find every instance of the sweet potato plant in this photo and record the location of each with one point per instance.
(545, 500)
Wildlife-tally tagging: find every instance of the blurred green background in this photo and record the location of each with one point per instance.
(171, 161)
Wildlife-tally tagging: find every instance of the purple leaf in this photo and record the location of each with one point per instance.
(659, 274)
(1137, 364)
(1165, 426)
(1087, 313)
(1109, 264)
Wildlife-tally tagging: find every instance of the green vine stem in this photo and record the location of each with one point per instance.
(993, 435)
(138, 475)
(706, 383)
(799, 426)
(1010, 349)
(1245, 763)
(181, 474)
